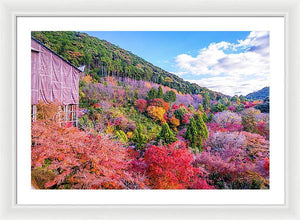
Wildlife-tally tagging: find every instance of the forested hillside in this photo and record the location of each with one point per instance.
(260, 94)
(102, 58)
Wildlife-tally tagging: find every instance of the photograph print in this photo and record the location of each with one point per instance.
(150, 110)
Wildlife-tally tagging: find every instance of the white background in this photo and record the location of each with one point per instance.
(275, 195)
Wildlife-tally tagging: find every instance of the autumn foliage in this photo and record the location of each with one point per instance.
(135, 135)
(159, 103)
(141, 105)
(170, 167)
(156, 113)
(80, 160)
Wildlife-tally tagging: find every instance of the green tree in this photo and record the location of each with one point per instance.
(196, 132)
(160, 93)
(200, 108)
(170, 96)
(191, 133)
(191, 108)
(122, 136)
(180, 112)
(139, 138)
(166, 136)
(204, 117)
(249, 123)
(201, 127)
(210, 117)
(206, 101)
(218, 108)
(223, 101)
(243, 99)
(235, 99)
(264, 108)
(239, 107)
(152, 94)
(87, 59)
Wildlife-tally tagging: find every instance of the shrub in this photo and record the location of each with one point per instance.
(239, 107)
(219, 140)
(180, 112)
(231, 108)
(186, 118)
(122, 136)
(174, 107)
(236, 160)
(174, 122)
(249, 120)
(49, 111)
(122, 123)
(170, 167)
(214, 127)
(141, 105)
(159, 103)
(263, 129)
(84, 122)
(156, 113)
(226, 117)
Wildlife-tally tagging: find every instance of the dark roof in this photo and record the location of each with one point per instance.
(55, 53)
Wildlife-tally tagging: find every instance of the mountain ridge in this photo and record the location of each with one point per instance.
(259, 94)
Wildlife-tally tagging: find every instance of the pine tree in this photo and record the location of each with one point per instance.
(206, 100)
(191, 133)
(210, 117)
(170, 96)
(160, 93)
(166, 135)
(200, 108)
(196, 132)
(201, 127)
(152, 94)
(204, 117)
(139, 138)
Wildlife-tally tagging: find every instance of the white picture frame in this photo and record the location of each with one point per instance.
(10, 10)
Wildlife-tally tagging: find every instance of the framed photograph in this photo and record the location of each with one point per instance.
(174, 112)
(104, 119)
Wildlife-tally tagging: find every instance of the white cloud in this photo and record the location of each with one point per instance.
(230, 85)
(243, 70)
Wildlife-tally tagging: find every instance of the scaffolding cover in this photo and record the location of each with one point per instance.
(52, 78)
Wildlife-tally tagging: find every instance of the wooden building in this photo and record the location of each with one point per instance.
(53, 79)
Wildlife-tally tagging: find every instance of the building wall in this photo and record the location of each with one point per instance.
(52, 78)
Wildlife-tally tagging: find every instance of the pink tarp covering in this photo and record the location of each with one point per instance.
(52, 78)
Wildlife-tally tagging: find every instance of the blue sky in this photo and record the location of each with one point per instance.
(232, 62)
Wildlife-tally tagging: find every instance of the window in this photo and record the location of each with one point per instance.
(33, 112)
(71, 114)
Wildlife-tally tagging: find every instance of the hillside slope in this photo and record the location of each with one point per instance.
(102, 58)
(260, 94)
